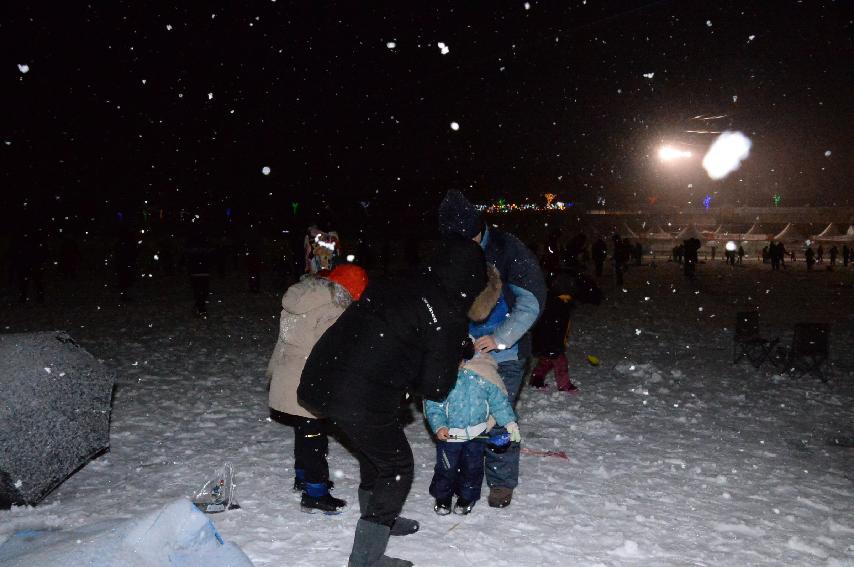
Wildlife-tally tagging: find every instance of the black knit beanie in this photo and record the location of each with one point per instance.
(458, 216)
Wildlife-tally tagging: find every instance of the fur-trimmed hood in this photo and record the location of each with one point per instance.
(486, 299)
(311, 292)
(484, 365)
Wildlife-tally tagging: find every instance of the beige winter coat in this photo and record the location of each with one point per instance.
(309, 307)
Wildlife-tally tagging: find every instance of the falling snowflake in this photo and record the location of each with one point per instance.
(144, 81)
(638, 331)
(708, 23)
(827, 153)
(391, 45)
(751, 37)
(649, 75)
(735, 98)
(23, 68)
(527, 5)
(443, 48)
(168, 27)
(265, 170)
(455, 126)
(210, 96)
(726, 154)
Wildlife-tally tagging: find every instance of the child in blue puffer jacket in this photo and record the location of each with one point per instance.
(461, 423)
(478, 401)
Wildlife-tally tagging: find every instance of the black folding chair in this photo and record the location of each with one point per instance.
(810, 350)
(748, 343)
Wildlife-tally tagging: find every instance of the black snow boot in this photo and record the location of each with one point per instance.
(316, 498)
(299, 480)
(369, 547)
(463, 506)
(401, 526)
(442, 506)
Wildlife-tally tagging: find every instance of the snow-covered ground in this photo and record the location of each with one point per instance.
(676, 457)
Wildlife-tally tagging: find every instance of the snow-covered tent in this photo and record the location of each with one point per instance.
(790, 234)
(755, 232)
(730, 232)
(847, 238)
(690, 231)
(658, 233)
(828, 233)
(710, 232)
(627, 232)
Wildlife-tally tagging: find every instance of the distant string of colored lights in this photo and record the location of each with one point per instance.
(503, 206)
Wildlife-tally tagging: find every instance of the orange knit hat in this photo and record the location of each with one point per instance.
(352, 277)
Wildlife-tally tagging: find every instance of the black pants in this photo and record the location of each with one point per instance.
(311, 446)
(201, 288)
(386, 467)
(459, 470)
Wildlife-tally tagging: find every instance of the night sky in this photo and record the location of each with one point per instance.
(350, 103)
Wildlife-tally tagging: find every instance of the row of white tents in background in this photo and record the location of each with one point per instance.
(790, 234)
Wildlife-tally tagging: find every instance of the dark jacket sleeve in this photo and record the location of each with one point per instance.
(442, 353)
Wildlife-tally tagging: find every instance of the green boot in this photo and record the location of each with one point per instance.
(401, 526)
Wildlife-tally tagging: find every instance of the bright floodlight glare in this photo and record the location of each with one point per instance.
(730, 246)
(667, 153)
(726, 154)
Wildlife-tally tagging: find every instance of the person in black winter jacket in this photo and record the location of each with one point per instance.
(403, 338)
(524, 291)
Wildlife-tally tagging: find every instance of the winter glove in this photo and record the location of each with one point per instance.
(468, 349)
(513, 429)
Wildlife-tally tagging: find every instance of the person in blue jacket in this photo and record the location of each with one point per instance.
(509, 343)
(462, 421)
(461, 424)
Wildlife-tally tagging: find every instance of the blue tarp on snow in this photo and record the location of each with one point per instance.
(177, 535)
